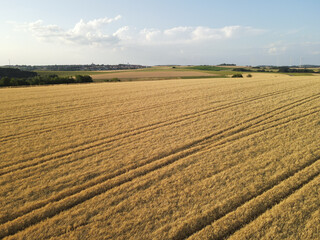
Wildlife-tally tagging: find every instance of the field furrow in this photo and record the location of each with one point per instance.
(143, 129)
(196, 158)
(220, 140)
(74, 106)
(87, 121)
(224, 225)
(224, 133)
(51, 146)
(301, 207)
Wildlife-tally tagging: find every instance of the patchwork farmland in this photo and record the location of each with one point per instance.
(172, 159)
(147, 74)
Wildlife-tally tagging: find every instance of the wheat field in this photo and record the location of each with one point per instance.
(172, 159)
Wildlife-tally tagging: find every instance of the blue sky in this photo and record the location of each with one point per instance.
(245, 32)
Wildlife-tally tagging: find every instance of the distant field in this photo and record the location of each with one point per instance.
(172, 159)
(68, 73)
(211, 68)
(153, 73)
(160, 73)
(134, 75)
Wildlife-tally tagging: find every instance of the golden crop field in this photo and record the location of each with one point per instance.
(172, 159)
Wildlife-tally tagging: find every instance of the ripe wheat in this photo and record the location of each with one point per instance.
(195, 158)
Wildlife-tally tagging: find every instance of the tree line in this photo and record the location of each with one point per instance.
(283, 69)
(16, 77)
(286, 69)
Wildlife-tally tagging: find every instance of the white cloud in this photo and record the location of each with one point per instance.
(121, 33)
(41, 31)
(83, 33)
(95, 33)
(205, 33)
(185, 35)
(277, 48)
(151, 35)
(92, 26)
(177, 34)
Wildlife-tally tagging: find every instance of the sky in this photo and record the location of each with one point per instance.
(149, 32)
